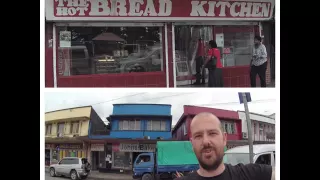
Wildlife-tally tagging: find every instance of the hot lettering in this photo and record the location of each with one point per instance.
(113, 7)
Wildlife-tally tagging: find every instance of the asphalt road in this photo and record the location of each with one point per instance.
(48, 177)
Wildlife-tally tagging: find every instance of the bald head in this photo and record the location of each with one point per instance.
(208, 140)
(205, 117)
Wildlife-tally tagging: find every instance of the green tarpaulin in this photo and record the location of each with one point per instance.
(175, 153)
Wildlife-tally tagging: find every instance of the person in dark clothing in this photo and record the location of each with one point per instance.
(215, 73)
(208, 141)
(200, 73)
(258, 63)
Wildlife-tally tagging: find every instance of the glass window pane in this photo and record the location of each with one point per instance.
(105, 50)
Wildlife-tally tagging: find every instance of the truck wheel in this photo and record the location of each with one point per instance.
(147, 177)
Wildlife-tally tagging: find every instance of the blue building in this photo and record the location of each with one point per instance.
(132, 129)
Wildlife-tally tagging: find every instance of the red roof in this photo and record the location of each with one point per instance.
(194, 110)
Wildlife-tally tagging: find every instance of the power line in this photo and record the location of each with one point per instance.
(167, 96)
(227, 103)
(117, 98)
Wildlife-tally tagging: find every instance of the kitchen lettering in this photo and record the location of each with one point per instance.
(113, 7)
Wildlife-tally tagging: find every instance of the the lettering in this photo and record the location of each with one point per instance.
(135, 8)
(71, 7)
(137, 147)
(99, 8)
(223, 5)
(150, 11)
(197, 8)
(158, 8)
(165, 7)
(235, 9)
(245, 9)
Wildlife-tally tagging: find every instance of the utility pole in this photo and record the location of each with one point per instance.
(245, 103)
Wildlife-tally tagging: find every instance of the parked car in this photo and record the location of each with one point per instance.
(262, 154)
(73, 167)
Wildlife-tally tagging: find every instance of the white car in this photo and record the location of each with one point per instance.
(262, 154)
(73, 167)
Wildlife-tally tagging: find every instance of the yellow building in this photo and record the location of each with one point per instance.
(64, 130)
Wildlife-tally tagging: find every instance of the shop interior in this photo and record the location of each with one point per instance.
(100, 50)
(234, 42)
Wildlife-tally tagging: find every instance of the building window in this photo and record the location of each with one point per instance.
(184, 129)
(48, 129)
(229, 127)
(74, 129)
(131, 125)
(109, 50)
(156, 125)
(60, 129)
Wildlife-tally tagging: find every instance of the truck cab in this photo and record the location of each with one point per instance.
(143, 164)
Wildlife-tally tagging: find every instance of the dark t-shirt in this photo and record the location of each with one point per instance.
(237, 172)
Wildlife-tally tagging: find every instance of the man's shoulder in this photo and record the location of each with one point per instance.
(251, 171)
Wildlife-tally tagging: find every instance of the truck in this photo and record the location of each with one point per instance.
(169, 158)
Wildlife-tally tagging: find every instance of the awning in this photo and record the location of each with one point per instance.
(108, 37)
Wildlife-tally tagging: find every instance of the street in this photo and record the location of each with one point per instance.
(93, 176)
(48, 177)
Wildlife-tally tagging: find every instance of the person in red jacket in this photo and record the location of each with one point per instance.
(215, 72)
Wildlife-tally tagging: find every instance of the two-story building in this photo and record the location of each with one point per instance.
(64, 130)
(229, 119)
(263, 127)
(134, 128)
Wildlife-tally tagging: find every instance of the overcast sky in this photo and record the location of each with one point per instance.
(263, 101)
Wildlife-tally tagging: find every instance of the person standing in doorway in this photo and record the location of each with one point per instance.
(215, 72)
(258, 63)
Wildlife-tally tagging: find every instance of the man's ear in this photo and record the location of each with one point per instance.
(224, 138)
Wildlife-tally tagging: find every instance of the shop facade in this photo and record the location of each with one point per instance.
(147, 43)
(55, 152)
(117, 155)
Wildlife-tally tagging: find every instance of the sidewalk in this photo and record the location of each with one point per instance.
(95, 175)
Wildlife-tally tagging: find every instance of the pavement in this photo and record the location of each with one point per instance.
(94, 175)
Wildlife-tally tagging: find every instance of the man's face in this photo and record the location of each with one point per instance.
(208, 142)
(256, 42)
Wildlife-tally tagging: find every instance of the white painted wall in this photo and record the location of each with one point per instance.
(257, 120)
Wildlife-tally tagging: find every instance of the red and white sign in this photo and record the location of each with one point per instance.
(158, 10)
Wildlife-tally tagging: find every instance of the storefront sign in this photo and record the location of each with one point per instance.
(49, 146)
(97, 147)
(70, 146)
(137, 147)
(158, 9)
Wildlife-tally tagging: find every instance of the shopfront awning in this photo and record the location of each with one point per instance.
(108, 37)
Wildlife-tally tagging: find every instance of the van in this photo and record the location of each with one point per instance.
(262, 154)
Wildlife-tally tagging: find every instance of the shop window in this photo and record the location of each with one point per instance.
(121, 160)
(105, 50)
(48, 129)
(74, 129)
(156, 125)
(236, 44)
(187, 39)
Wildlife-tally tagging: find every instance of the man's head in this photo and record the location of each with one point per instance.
(257, 40)
(208, 140)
